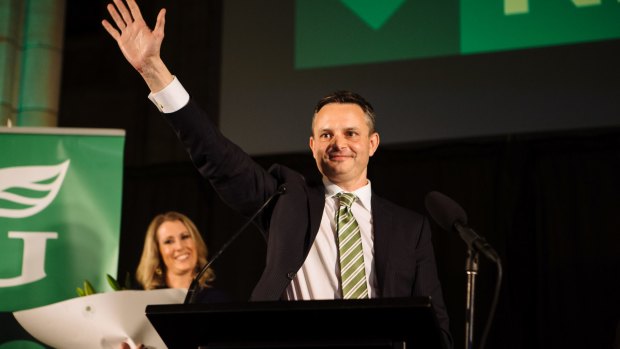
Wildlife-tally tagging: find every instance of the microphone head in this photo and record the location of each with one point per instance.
(444, 210)
(281, 189)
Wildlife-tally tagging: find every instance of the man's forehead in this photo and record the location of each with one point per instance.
(341, 116)
(339, 124)
(338, 114)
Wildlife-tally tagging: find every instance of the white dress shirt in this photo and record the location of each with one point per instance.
(172, 98)
(318, 278)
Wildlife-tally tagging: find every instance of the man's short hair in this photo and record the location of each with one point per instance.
(343, 97)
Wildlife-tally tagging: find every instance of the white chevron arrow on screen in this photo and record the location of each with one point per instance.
(44, 180)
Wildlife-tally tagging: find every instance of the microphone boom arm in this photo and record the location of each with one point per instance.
(191, 292)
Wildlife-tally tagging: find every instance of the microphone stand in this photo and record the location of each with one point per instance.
(451, 216)
(471, 267)
(191, 291)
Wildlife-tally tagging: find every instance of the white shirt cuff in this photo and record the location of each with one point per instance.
(172, 98)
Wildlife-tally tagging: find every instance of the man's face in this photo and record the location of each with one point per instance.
(341, 144)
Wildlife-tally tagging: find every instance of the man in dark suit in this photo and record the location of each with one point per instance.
(303, 253)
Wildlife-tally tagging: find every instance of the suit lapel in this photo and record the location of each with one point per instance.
(382, 228)
(316, 205)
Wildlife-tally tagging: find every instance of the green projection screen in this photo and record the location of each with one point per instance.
(433, 69)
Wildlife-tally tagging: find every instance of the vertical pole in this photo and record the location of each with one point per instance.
(11, 24)
(471, 268)
(39, 87)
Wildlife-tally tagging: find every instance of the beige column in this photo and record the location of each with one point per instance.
(31, 41)
(39, 86)
(11, 24)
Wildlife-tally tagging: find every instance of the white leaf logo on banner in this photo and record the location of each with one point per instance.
(45, 180)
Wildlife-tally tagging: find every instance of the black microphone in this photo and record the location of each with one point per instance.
(450, 215)
(191, 292)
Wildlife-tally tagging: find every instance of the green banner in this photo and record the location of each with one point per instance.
(492, 25)
(60, 211)
(333, 33)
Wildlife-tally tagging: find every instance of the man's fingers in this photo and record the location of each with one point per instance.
(124, 12)
(135, 10)
(161, 21)
(110, 29)
(116, 17)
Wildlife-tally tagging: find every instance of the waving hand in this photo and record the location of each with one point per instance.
(140, 45)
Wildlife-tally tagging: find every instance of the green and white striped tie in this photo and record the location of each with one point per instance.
(352, 271)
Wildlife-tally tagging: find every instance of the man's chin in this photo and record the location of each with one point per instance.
(334, 173)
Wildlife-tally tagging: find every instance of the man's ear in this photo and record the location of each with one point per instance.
(374, 143)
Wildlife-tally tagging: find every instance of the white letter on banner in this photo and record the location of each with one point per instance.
(516, 7)
(33, 261)
(36, 179)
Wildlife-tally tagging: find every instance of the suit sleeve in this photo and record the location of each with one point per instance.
(235, 176)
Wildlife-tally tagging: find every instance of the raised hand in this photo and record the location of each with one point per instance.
(140, 45)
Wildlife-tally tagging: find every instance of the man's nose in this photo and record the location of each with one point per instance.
(338, 141)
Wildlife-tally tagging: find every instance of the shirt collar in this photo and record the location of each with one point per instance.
(363, 194)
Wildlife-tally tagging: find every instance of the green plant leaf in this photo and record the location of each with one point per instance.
(88, 288)
(113, 283)
(80, 292)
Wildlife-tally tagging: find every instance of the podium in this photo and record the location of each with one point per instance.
(367, 323)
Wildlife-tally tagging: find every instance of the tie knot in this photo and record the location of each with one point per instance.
(346, 199)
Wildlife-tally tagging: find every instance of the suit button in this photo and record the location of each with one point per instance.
(291, 275)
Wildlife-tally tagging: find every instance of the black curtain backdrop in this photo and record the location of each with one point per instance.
(548, 203)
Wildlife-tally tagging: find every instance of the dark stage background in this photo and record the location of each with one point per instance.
(548, 201)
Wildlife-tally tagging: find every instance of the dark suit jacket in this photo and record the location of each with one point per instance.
(404, 256)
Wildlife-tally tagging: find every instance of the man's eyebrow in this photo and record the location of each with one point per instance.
(350, 128)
